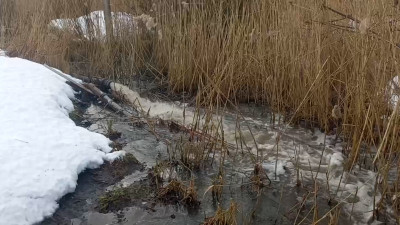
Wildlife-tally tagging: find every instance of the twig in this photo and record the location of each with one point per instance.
(342, 14)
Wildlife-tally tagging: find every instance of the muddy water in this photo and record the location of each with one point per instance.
(145, 147)
(281, 202)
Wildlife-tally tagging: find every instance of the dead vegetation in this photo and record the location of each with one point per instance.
(122, 197)
(217, 187)
(259, 178)
(114, 199)
(177, 192)
(163, 171)
(111, 132)
(193, 154)
(224, 217)
(122, 167)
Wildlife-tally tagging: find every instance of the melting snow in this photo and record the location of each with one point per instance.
(42, 151)
(94, 26)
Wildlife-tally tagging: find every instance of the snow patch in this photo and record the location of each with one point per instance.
(93, 25)
(42, 150)
(394, 91)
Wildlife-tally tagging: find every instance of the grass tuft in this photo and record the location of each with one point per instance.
(223, 217)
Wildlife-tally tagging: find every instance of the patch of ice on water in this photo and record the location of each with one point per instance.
(272, 168)
(129, 180)
(335, 160)
(320, 137)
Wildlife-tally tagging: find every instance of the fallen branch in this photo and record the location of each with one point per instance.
(69, 79)
(104, 97)
(342, 14)
(378, 36)
(93, 90)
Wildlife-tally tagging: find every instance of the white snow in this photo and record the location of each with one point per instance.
(93, 26)
(42, 151)
(394, 91)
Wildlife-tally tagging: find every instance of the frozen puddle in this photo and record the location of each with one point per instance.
(42, 150)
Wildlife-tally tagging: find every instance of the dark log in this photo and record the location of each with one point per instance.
(69, 79)
(93, 90)
(104, 97)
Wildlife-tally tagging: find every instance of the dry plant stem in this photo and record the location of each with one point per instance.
(307, 94)
(279, 206)
(301, 206)
(385, 138)
(352, 207)
(316, 186)
(316, 189)
(320, 160)
(342, 14)
(356, 154)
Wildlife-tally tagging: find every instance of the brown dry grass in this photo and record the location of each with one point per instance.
(224, 217)
(177, 192)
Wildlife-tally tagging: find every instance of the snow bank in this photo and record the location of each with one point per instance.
(42, 151)
(93, 26)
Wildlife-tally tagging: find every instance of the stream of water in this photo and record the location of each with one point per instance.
(294, 158)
